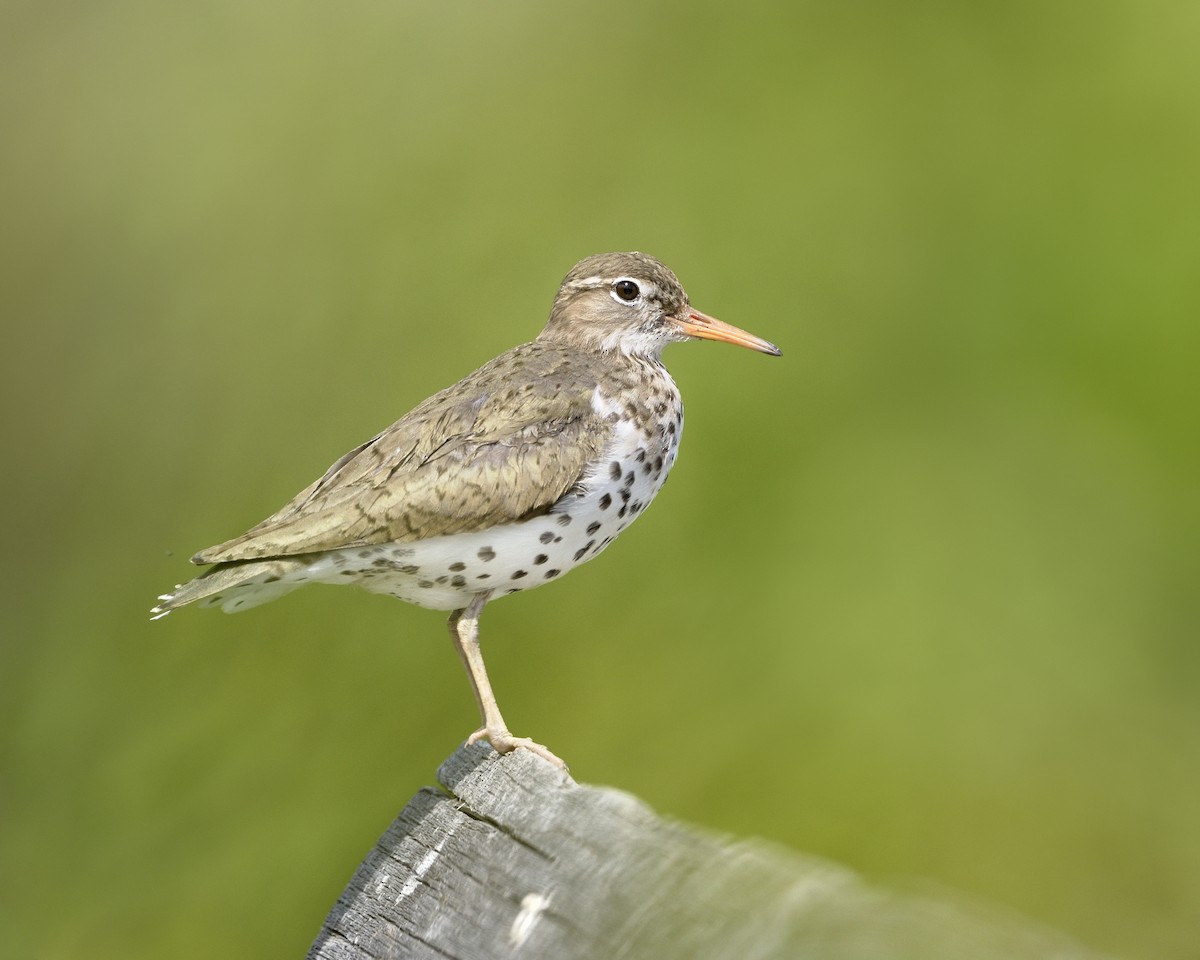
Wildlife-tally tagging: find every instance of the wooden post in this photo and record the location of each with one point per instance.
(515, 859)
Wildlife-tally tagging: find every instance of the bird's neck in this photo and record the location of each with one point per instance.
(617, 346)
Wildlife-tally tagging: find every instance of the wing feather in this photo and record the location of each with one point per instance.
(505, 443)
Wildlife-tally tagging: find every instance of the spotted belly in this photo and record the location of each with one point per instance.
(446, 573)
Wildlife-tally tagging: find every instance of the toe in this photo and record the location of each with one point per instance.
(504, 742)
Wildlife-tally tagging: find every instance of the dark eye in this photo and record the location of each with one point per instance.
(627, 290)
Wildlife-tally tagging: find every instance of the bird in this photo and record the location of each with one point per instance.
(507, 480)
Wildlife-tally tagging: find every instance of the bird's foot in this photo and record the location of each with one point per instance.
(504, 742)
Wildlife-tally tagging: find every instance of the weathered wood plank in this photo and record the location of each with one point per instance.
(515, 859)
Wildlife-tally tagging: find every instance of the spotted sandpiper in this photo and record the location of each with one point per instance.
(518, 473)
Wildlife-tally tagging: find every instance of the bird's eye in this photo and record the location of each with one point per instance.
(627, 290)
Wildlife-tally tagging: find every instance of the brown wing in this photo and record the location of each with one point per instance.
(505, 443)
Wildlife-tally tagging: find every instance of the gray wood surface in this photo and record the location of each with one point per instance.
(514, 859)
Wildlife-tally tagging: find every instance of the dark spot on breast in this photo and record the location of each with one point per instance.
(635, 507)
(458, 582)
(552, 573)
(518, 574)
(629, 479)
(657, 464)
(646, 468)
(621, 512)
(271, 579)
(605, 502)
(540, 559)
(671, 428)
(424, 584)
(593, 527)
(458, 565)
(546, 537)
(365, 554)
(486, 553)
(614, 470)
(483, 576)
(348, 573)
(441, 579)
(584, 549)
(410, 569)
(625, 495)
(641, 455)
(564, 519)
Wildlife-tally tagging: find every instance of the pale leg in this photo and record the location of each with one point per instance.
(464, 631)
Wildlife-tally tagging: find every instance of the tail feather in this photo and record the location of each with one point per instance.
(237, 586)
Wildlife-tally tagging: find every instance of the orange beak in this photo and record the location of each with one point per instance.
(697, 324)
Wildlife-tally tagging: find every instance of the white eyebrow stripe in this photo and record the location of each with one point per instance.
(647, 289)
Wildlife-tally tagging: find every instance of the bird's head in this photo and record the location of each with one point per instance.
(631, 303)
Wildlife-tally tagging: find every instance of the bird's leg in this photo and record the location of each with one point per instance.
(464, 631)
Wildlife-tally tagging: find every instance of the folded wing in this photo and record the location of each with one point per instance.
(479, 454)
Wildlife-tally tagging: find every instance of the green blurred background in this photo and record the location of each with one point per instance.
(920, 596)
